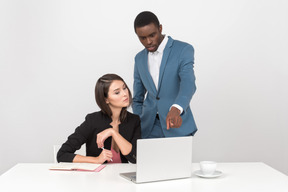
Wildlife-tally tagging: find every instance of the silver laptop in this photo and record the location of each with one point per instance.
(162, 159)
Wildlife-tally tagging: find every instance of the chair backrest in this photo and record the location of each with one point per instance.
(81, 151)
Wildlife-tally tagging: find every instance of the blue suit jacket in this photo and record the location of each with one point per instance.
(176, 85)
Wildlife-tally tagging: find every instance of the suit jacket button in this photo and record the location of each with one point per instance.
(157, 98)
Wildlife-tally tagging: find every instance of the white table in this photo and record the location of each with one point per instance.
(242, 177)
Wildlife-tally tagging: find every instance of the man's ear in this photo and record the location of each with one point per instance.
(160, 28)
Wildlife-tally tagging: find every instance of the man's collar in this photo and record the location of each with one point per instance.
(163, 44)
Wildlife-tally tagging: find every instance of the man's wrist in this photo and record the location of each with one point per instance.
(177, 107)
(176, 110)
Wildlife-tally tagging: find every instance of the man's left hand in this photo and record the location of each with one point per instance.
(173, 119)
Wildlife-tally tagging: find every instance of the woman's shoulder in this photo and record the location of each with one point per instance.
(96, 115)
(131, 116)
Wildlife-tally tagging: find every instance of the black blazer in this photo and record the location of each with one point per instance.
(87, 133)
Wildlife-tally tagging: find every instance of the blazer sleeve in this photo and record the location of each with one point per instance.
(75, 141)
(138, 92)
(131, 157)
(187, 77)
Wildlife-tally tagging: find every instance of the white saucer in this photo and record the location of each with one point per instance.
(215, 174)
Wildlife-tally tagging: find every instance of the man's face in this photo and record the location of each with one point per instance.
(150, 36)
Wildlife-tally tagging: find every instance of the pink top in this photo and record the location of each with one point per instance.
(116, 157)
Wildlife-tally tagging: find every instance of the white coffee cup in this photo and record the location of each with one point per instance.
(208, 167)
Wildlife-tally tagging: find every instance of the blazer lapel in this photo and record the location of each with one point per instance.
(166, 54)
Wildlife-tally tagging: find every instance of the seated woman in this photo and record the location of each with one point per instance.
(110, 134)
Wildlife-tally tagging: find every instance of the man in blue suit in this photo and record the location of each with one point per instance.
(164, 81)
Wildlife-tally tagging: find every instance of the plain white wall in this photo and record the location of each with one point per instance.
(52, 53)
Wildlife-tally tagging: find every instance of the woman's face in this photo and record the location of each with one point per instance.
(118, 95)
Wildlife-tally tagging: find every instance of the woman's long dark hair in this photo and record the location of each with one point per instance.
(101, 94)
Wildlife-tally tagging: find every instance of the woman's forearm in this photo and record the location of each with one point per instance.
(86, 159)
(124, 145)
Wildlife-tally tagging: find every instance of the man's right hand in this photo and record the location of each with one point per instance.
(173, 119)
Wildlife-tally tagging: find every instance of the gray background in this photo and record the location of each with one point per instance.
(52, 53)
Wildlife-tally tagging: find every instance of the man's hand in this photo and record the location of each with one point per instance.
(173, 119)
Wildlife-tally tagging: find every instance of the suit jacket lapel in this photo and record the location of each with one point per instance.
(166, 53)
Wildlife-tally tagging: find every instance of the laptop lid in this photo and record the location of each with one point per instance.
(163, 159)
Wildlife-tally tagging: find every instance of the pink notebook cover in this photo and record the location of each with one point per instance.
(98, 169)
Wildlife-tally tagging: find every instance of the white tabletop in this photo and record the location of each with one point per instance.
(242, 177)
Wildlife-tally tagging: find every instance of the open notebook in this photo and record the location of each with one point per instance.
(77, 167)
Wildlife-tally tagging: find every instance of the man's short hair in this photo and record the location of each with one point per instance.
(145, 18)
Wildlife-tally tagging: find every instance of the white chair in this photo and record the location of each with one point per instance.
(81, 151)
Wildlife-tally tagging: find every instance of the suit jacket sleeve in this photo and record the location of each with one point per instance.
(138, 92)
(187, 78)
